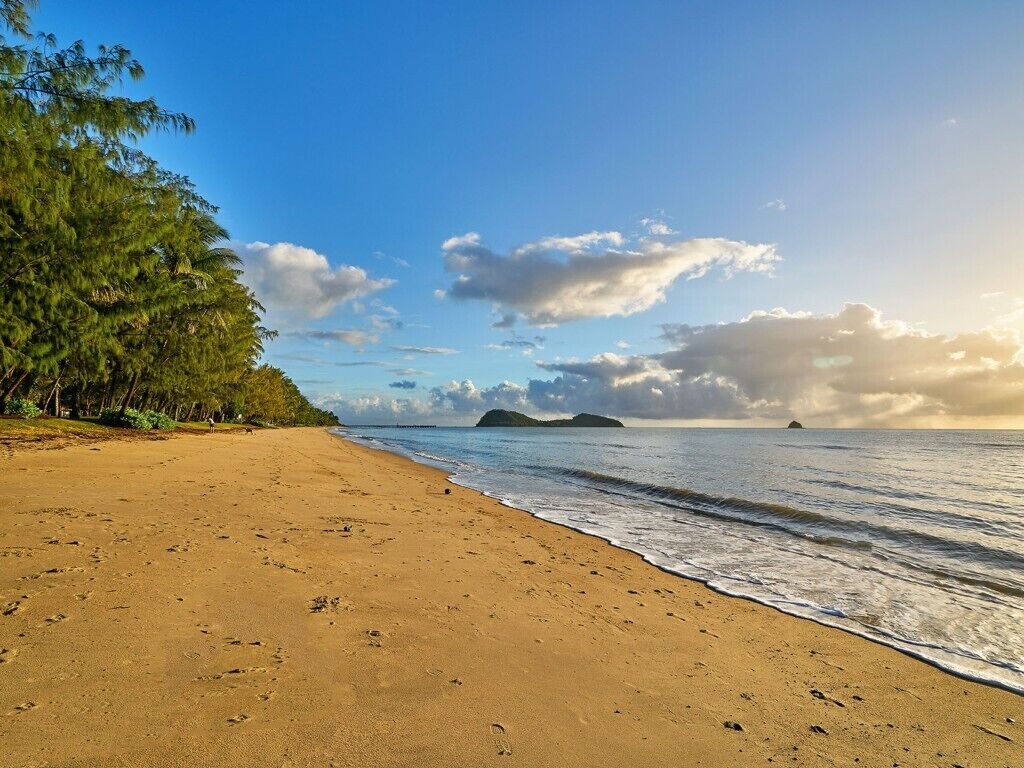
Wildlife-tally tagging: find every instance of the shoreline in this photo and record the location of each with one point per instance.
(292, 598)
(815, 617)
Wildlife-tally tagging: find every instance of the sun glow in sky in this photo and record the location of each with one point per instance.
(702, 213)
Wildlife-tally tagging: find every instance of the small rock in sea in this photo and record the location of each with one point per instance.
(732, 725)
(447, 491)
(795, 425)
(819, 729)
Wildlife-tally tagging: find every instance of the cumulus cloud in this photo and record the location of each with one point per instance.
(454, 400)
(300, 283)
(404, 384)
(851, 368)
(559, 279)
(375, 409)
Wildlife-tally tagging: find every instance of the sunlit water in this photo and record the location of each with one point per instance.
(912, 538)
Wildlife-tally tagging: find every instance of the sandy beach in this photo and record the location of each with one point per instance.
(287, 598)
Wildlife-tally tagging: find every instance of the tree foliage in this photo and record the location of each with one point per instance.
(114, 290)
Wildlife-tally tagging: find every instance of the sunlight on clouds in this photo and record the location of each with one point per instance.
(299, 283)
(559, 279)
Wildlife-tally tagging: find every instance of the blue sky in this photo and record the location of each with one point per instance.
(876, 146)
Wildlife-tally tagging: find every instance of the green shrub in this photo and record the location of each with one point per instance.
(131, 419)
(26, 409)
(159, 420)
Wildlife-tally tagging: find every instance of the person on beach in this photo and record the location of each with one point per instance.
(210, 422)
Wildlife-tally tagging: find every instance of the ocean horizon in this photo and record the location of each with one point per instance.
(908, 537)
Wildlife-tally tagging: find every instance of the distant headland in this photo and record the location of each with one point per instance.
(500, 418)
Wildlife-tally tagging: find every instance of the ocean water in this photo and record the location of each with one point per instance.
(912, 538)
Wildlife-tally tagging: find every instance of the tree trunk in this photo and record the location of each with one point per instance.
(54, 390)
(131, 392)
(9, 392)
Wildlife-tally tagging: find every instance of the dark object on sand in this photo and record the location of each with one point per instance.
(248, 430)
(795, 425)
(500, 418)
(447, 491)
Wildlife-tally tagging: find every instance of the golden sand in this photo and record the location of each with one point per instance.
(290, 599)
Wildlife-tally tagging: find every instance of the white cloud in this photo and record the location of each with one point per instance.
(453, 400)
(351, 336)
(1012, 315)
(411, 350)
(622, 344)
(776, 205)
(526, 346)
(851, 368)
(439, 294)
(567, 244)
(393, 259)
(381, 324)
(300, 283)
(657, 227)
(556, 280)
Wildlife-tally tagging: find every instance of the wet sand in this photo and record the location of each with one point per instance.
(290, 599)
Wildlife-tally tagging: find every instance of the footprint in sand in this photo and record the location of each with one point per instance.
(12, 608)
(240, 718)
(57, 618)
(25, 706)
(501, 739)
(6, 654)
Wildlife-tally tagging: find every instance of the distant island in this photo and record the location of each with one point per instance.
(795, 425)
(500, 418)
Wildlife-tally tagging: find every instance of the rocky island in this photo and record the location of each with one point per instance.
(500, 418)
(795, 425)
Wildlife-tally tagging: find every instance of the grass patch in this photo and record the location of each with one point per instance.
(49, 427)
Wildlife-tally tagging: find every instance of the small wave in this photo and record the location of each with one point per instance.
(443, 459)
(800, 522)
